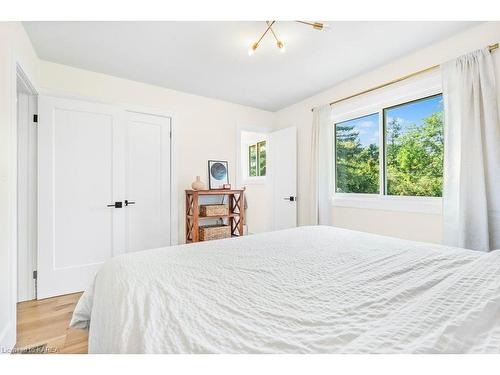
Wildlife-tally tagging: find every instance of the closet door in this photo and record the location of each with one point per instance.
(147, 171)
(81, 176)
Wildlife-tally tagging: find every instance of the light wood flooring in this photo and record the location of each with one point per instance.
(46, 322)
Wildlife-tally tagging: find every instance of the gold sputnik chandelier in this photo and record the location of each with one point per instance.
(279, 43)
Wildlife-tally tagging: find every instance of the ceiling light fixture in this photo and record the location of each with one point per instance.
(255, 45)
(317, 25)
(279, 43)
(252, 49)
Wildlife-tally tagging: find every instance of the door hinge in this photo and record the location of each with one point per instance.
(35, 118)
(35, 274)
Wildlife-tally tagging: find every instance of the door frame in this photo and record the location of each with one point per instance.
(240, 178)
(26, 287)
(174, 198)
(245, 128)
(8, 335)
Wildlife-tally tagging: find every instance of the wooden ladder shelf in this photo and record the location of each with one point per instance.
(236, 215)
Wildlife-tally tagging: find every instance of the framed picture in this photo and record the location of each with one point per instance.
(218, 174)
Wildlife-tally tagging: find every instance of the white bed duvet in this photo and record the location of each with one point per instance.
(304, 290)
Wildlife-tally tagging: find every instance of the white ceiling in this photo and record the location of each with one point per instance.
(210, 58)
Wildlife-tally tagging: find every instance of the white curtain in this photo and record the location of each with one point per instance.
(471, 197)
(320, 167)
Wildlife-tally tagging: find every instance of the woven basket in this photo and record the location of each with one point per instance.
(214, 210)
(214, 232)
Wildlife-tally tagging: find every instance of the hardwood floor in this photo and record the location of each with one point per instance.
(46, 322)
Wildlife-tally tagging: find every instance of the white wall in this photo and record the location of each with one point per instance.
(414, 226)
(14, 46)
(206, 127)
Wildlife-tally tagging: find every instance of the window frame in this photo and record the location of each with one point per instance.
(384, 111)
(334, 125)
(375, 103)
(249, 166)
(257, 179)
(259, 145)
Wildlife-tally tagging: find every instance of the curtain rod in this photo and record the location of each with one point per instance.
(491, 48)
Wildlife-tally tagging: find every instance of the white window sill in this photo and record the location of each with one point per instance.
(254, 180)
(424, 205)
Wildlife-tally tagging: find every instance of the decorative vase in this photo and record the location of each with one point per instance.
(198, 184)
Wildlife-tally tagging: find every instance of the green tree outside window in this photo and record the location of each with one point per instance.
(257, 159)
(414, 149)
(252, 160)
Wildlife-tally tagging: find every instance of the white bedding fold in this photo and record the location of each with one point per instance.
(304, 290)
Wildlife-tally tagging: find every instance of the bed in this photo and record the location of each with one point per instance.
(304, 290)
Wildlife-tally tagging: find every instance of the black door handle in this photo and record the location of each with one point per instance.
(116, 205)
(128, 202)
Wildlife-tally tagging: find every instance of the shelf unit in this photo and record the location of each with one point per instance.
(236, 216)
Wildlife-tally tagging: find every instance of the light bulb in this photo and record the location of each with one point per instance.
(326, 27)
(321, 26)
(253, 48)
(280, 45)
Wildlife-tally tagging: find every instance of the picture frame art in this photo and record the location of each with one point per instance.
(218, 174)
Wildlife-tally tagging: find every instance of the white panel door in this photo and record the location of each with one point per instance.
(283, 172)
(80, 173)
(147, 170)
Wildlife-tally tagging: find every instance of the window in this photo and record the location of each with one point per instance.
(261, 156)
(412, 151)
(252, 157)
(257, 159)
(357, 155)
(252, 160)
(414, 147)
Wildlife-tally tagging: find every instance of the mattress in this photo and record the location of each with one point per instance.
(311, 289)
